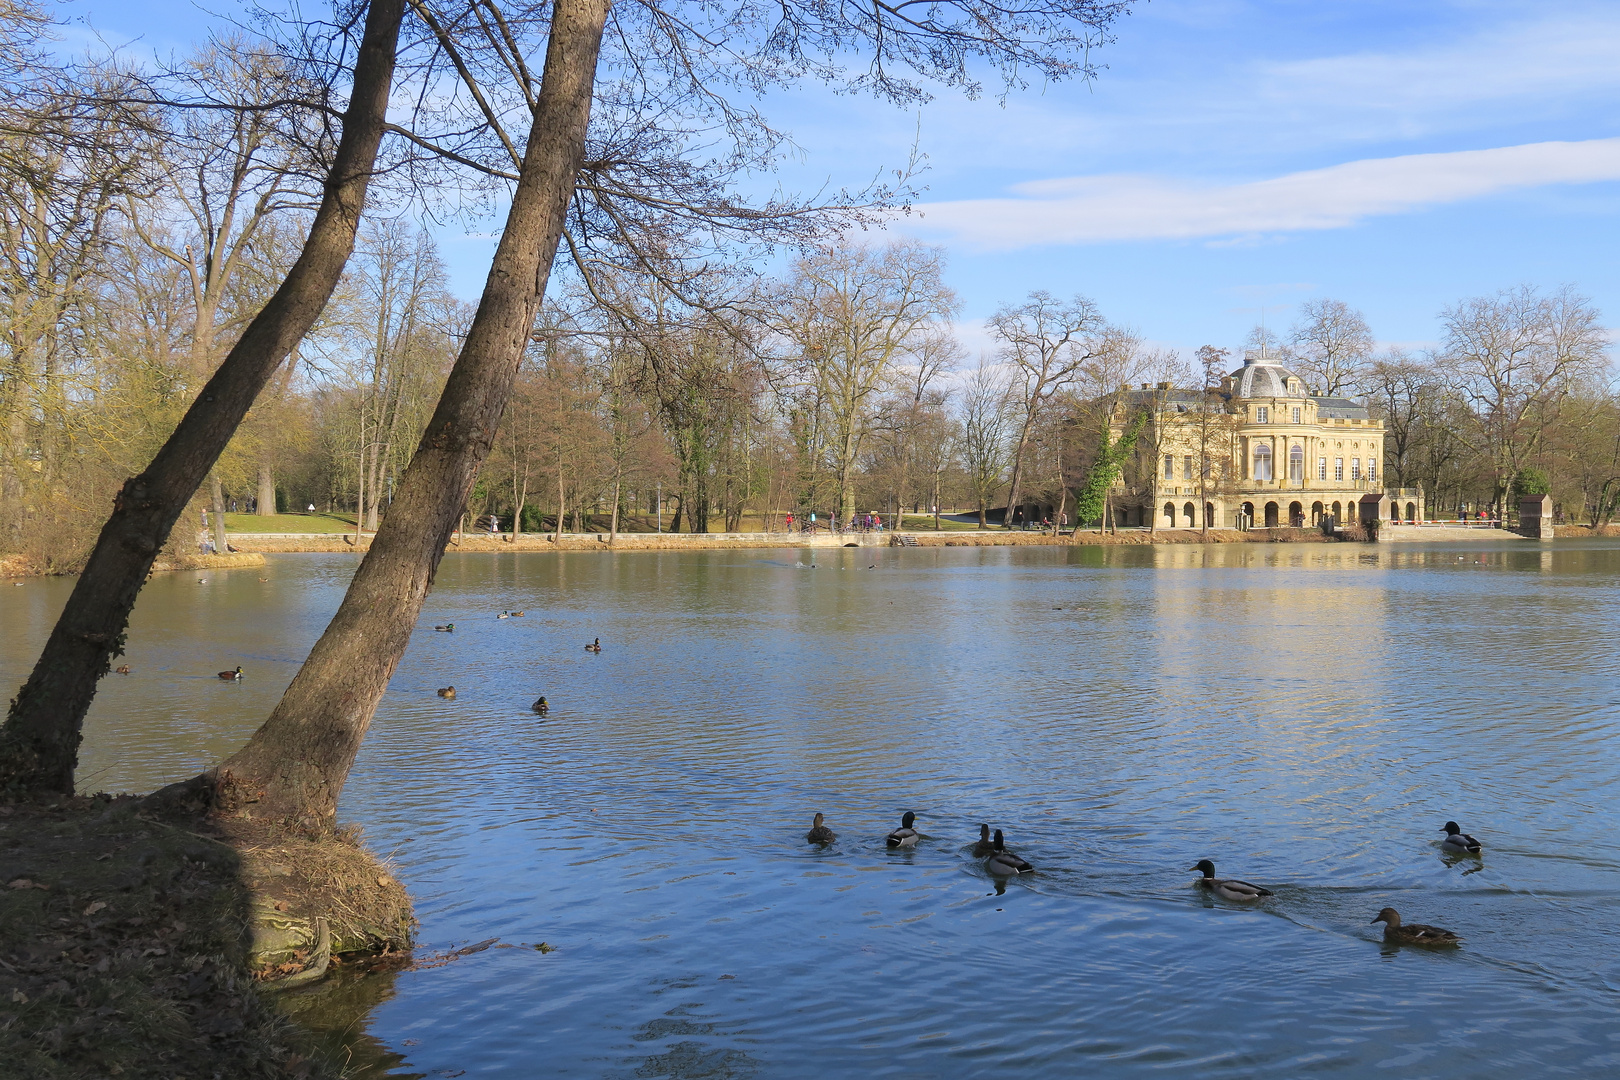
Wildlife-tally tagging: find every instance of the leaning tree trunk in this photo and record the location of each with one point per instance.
(39, 745)
(294, 767)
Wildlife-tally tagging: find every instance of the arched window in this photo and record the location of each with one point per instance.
(1170, 515)
(1187, 512)
(1262, 461)
(1296, 463)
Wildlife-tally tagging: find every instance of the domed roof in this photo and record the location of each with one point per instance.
(1261, 378)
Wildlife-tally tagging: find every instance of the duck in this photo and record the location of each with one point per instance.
(1004, 863)
(1413, 933)
(504, 615)
(1227, 888)
(123, 669)
(819, 833)
(515, 614)
(447, 628)
(232, 676)
(905, 835)
(541, 706)
(595, 646)
(985, 845)
(448, 692)
(1458, 841)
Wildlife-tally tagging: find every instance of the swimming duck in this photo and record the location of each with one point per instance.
(985, 845)
(448, 692)
(232, 676)
(515, 614)
(1413, 933)
(819, 833)
(1458, 841)
(447, 628)
(504, 615)
(1003, 862)
(123, 669)
(1227, 888)
(595, 646)
(540, 706)
(905, 835)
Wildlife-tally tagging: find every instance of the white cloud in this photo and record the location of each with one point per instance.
(1101, 209)
(1566, 55)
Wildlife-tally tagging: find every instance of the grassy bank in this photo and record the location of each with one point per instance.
(138, 947)
(289, 523)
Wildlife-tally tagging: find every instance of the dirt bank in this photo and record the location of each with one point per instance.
(137, 947)
(722, 541)
(16, 566)
(1133, 537)
(207, 562)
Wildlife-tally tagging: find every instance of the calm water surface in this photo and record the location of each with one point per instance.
(1305, 716)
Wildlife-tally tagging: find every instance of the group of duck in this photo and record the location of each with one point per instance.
(540, 707)
(1002, 863)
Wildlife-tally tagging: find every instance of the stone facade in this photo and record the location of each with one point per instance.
(1258, 451)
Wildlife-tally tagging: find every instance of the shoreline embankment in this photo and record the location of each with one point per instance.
(249, 549)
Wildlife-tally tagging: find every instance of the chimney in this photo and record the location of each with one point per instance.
(1164, 386)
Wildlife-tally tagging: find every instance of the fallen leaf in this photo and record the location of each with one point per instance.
(19, 998)
(24, 883)
(103, 857)
(382, 883)
(99, 905)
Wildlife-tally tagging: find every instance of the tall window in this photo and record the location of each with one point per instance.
(1355, 468)
(1372, 468)
(1338, 468)
(1296, 463)
(1187, 467)
(1261, 414)
(1262, 461)
(1296, 414)
(1169, 467)
(1321, 468)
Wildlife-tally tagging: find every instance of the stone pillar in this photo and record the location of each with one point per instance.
(1536, 517)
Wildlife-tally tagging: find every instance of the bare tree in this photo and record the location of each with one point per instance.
(853, 315)
(1514, 357)
(1331, 346)
(40, 741)
(295, 765)
(987, 419)
(1048, 342)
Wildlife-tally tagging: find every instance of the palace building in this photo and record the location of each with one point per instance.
(1258, 451)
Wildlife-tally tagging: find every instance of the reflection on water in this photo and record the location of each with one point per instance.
(1306, 716)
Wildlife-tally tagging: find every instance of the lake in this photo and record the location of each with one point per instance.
(1306, 716)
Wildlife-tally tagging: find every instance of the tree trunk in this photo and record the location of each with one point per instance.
(216, 495)
(360, 492)
(557, 538)
(39, 745)
(294, 767)
(1017, 471)
(613, 527)
(267, 492)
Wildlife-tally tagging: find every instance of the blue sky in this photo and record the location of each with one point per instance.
(1238, 154)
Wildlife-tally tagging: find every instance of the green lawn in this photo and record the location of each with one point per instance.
(925, 523)
(288, 523)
